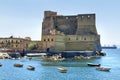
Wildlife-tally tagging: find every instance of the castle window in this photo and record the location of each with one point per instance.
(84, 38)
(56, 26)
(48, 39)
(76, 38)
(69, 38)
(66, 17)
(88, 16)
(51, 39)
(11, 41)
(16, 46)
(44, 39)
(82, 17)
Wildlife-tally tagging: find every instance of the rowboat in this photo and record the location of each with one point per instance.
(92, 64)
(103, 68)
(0, 64)
(30, 68)
(62, 70)
(18, 65)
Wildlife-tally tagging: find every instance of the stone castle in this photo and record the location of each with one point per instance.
(69, 33)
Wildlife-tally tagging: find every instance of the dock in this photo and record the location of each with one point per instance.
(35, 54)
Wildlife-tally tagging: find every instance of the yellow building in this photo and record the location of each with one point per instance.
(15, 43)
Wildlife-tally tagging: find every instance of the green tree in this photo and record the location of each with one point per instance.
(33, 46)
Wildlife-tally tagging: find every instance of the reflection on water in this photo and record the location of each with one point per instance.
(77, 70)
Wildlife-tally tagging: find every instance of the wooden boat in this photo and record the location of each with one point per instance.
(103, 68)
(92, 64)
(18, 65)
(30, 68)
(62, 70)
(0, 64)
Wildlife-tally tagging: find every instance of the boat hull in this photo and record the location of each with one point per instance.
(103, 69)
(31, 68)
(18, 65)
(62, 70)
(94, 65)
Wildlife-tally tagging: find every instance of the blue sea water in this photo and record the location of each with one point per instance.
(77, 70)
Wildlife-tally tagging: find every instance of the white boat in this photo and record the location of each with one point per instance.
(35, 54)
(62, 70)
(103, 68)
(30, 68)
(0, 64)
(4, 55)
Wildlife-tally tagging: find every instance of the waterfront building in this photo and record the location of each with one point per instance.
(70, 33)
(15, 43)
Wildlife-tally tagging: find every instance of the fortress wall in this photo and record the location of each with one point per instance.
(77, 38)
(49, 13)
(80, 46)
(59, 43)
(65, 24)
(86, 19)
(55, 41)
(47, 25)
(48, 22)
(48, 41)
(86, 24)
(80, 42)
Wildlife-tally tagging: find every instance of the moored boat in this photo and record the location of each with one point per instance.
(18, 65)
(103, 68)
(62, 70)
(31, 67)
(0, 64)
(93, 64)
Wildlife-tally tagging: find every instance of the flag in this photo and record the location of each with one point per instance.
(51, 32)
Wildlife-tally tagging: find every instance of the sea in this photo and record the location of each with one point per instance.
(76, 69)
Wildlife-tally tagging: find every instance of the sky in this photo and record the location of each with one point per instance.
(23, 18)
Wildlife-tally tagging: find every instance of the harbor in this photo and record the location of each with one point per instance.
(76, 69)
(59, 40)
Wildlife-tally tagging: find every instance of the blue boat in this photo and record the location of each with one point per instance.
(109, 47)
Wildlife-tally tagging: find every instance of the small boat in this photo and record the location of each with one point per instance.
(103, 68)
(0, 64)
(92, 64)
(18, 65)
(30, 68)
(62, 70)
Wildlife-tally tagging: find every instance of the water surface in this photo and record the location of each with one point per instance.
(77, 70)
